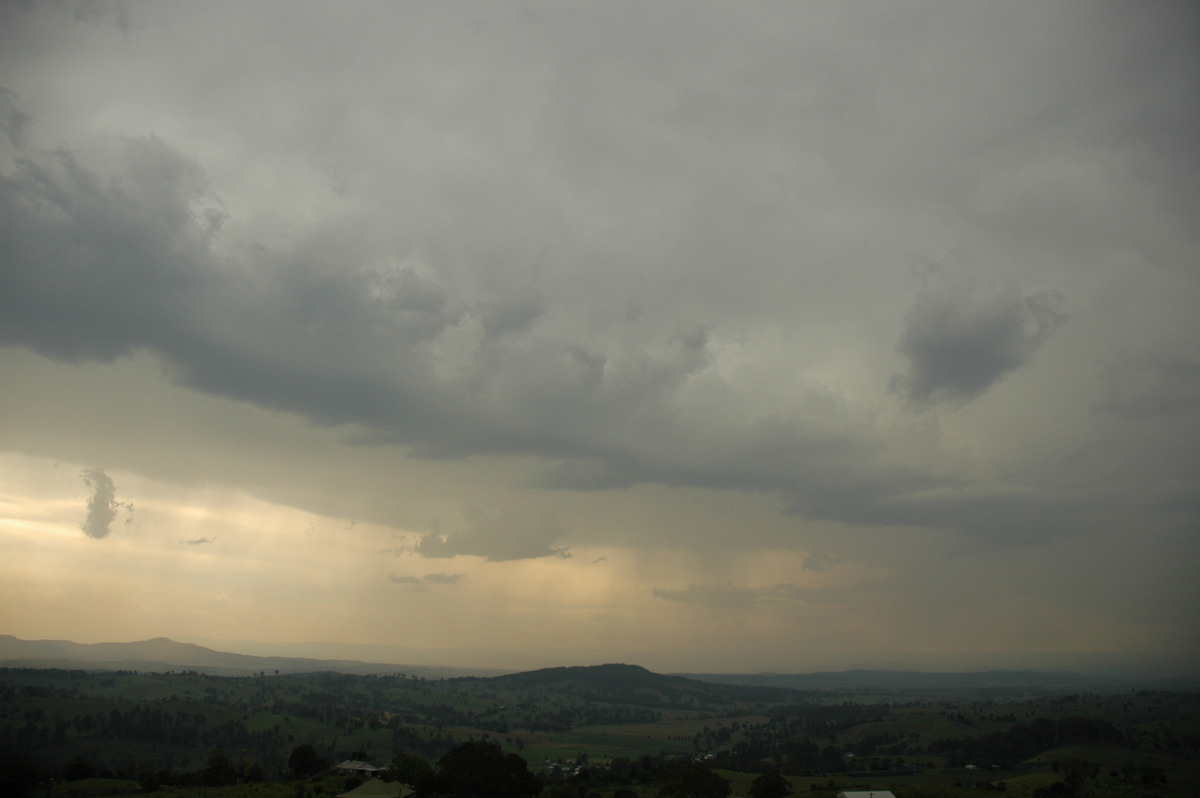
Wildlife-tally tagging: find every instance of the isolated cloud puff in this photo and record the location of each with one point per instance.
(102, 506)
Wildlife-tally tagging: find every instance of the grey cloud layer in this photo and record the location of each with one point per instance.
(732, 597)
(509, 536)
(100, 266)
(13, 121)
(646, 253)
(1152, 385)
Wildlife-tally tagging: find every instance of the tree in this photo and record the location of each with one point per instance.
(219, 769)
(692, 780)
(565, 790)
(17, 777)
(412, 770)
(250, 772)
(770, 785)
(78, 768)
(149, 781)
(481, 769)
(303, 761)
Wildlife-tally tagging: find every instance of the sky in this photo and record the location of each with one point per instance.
(704, 336)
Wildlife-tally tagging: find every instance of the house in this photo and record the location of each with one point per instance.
(867, 794)
(354, 767)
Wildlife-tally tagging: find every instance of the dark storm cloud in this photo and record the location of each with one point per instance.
(961, 338)
(102, 505)
(557, 271)
(97, 267)
(101, 266)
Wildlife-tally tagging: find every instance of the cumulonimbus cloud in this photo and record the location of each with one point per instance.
(321, 329)
(331, 327)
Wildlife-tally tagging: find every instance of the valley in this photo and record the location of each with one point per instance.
(595, 730)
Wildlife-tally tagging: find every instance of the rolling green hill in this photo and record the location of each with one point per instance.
(606, 723)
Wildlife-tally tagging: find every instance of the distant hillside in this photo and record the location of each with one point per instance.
(907, 680)
(635, 684)
(608, 677)
(164, 654)
(632, 684)
(600, 682)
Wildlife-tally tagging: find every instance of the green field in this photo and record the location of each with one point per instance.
(116, 733)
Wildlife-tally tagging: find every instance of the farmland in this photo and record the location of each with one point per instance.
(596, 729)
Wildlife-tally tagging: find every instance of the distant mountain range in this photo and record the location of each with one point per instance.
(908, 680)
(162, 654)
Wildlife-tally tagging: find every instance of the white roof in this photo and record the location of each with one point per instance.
(355, 764)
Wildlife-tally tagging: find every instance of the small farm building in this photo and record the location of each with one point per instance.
(353, 767)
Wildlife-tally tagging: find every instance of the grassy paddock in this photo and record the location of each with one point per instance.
(88, 788)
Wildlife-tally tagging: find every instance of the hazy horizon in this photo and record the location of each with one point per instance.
(1114, 665)
(1095, 663)
(720, 338)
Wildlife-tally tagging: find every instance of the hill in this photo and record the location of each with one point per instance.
(889, 680)
(613, 676)
(593, 718)
(164, 654)
(633, 684)
(614, 679)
